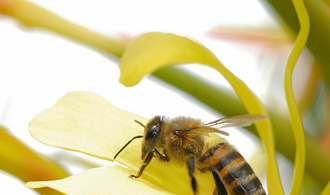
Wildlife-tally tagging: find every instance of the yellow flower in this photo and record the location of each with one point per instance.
(86, 122)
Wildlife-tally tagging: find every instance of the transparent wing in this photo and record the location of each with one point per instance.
(204, 131)
(214, 126)
(236, 121)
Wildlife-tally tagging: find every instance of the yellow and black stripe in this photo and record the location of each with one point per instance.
(234, 174)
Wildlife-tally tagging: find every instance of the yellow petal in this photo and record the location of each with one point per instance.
(102, 181)
(152, 51)
(86, 122)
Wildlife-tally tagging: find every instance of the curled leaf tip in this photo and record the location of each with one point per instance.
(154, 50)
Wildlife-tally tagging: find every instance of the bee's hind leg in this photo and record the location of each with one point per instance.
(220, 188)
(191, 168)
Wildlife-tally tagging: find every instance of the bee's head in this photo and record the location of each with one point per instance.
(151, 135)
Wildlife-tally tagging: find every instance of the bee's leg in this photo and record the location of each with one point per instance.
(145, 163)
(191, 168)
(220, 188)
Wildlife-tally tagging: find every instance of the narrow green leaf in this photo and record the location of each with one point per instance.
(293, 109)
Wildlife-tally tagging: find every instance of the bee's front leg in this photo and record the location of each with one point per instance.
(145, 163)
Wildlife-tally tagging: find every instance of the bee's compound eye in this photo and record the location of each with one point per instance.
(152, 131)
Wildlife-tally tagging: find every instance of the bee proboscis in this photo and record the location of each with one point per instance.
(183, 139)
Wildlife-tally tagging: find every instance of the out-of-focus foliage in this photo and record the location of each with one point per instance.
(319, 40)
(24, 163)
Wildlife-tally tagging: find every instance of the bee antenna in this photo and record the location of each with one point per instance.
(138, 122)
(139, 136)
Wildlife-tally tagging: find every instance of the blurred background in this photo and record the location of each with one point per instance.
(38, 67)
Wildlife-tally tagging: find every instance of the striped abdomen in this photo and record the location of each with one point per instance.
(230, 171)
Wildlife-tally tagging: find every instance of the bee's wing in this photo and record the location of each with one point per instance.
(236, 121)
(204, 131)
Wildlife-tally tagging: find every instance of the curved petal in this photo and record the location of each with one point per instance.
(86, 122)
(151, 51)
(103, 180)
(155, 50)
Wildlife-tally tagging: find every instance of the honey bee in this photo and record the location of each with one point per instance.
(184, 139)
